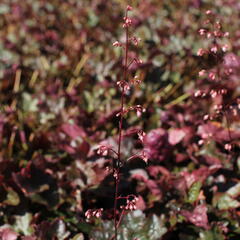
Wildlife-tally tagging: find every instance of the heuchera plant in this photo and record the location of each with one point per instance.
(118, 162)
(216, 76)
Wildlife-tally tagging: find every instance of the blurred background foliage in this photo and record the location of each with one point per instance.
(59, 99)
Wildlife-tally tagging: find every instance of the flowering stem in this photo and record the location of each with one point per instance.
(119, 160)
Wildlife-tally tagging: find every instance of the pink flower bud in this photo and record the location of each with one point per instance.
(226, 34)
(202, 72)
(202, 31)
(213, 93)
(102, 150)
(209, 35)
(135, 40)
(200, 52)
(117, 44)
(225, 47)
(214, 49)
(129, 8)
(205, 117)
(127, 22)
(228, 147)
(208, 12)
(212, 76)
(198, 93)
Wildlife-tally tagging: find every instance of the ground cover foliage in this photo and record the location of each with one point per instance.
(59, 101)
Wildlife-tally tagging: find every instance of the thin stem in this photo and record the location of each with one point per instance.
(120, 218)
(228, 126)
(119, 160)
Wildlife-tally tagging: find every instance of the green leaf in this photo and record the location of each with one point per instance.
(61, 231)
(134, 225)
(227, 202)
(194, 192)
(12, 198)
(29, 104)
(22, 224)
(79, 236)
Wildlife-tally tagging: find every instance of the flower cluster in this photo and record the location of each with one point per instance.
(94, 213)
(124, 85)
(138, 108)
(131, 203)
(213, 33)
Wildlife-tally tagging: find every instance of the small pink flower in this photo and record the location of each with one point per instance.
(213, 93)
(218, 25)
(144, 157)
(136, 80)
(141, 135)
(127, 22)
(129, 8)
(202, 31)
(226, 34)
(200, 52)
(117, 44)
(103, 150)
(198, 93)
(205, 117)
(202, 72)
(212, 76)
(223, 91)
(228, 147)
(135, 40)
(225, 47)
(131, 204)
(124, 86)
(138, 61)
(209, 35)
(208, 12)
(216, 33)
(93, 213)
(88, 213)
(214, 49)
(139, 109)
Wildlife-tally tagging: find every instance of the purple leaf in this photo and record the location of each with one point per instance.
(8, 234)
(73, 131)
(175, 136)
(198, 217)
